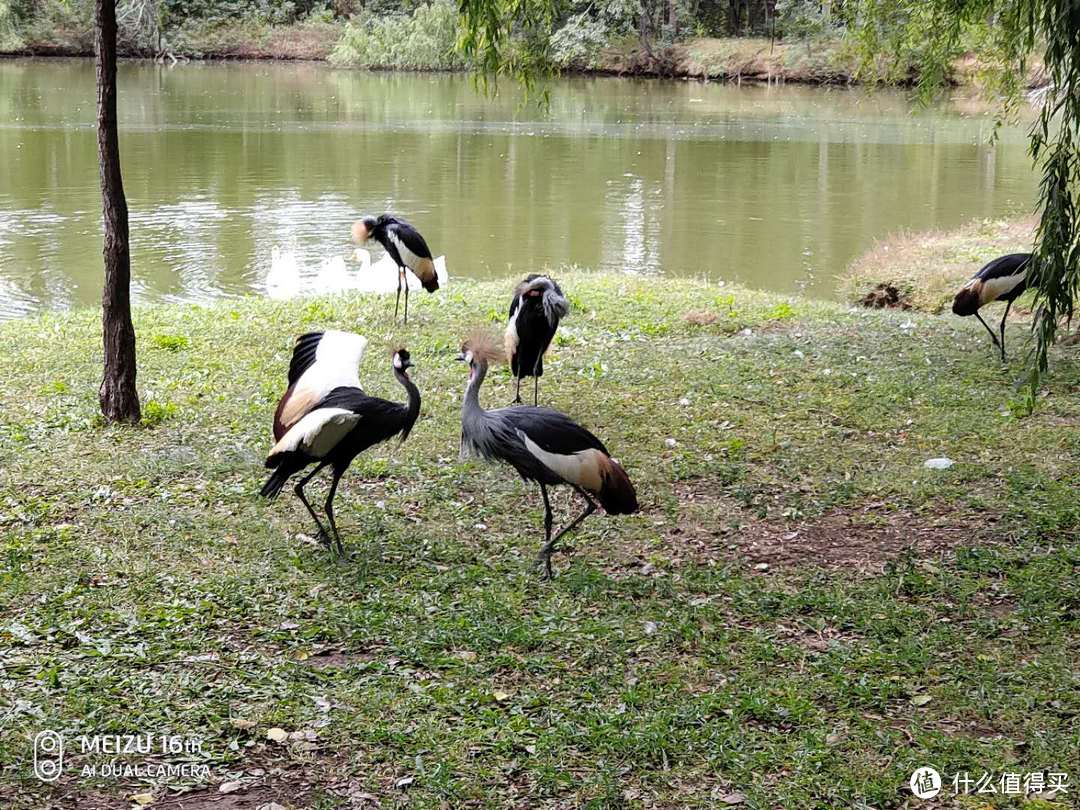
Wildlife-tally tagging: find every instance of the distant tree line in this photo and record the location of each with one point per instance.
(570, 31)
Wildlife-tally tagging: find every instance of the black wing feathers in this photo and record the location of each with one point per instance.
(552, 431)
(1003, 266)
(411, 238)
(380, 418)
(303, 356)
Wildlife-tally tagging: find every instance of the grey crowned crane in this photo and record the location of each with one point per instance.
(343, 424)
(1003, 279)
(535, 312)
(543, 446)
(321, 362)
(406, 247)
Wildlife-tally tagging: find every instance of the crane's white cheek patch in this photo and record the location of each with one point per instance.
(583, 468)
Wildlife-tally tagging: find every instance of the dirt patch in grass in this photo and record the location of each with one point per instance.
(338, 659)
(841, 541)
(249, 799)
(211, 799)
(712, 529)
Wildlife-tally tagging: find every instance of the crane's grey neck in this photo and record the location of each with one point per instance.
(412, 409)
(471, 405)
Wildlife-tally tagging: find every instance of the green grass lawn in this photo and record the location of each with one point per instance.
(800, 615)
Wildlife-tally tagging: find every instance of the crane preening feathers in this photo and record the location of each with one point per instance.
(543, 445)
(535, 312)
(406, 247)
(1003, 279)
(327, 420)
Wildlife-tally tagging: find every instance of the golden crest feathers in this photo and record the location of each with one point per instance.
(484, 345)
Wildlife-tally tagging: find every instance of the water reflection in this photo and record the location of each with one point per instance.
(774, 187)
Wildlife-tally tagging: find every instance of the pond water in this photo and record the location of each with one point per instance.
(774, 187)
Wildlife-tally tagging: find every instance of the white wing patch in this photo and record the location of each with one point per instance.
(411, 260)
(317, 433)
(337, 358)
(581, 468)
(994, 288)
(511, 338)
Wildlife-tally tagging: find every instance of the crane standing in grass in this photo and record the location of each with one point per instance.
(343, 424)
(1003, 279)
(543, 446)
(535, 312)
(406, 247)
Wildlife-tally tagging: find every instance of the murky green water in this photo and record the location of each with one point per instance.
(774, 187)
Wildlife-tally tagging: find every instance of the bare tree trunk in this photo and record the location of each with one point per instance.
(119, 399)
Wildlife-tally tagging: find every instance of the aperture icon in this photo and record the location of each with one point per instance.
(48, 755)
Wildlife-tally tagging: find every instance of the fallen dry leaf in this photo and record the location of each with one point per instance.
(277, 734)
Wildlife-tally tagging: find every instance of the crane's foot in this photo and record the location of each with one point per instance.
(325, 540)
(543, 563)
(516, 401)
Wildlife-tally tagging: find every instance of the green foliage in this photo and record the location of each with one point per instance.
(154, 412)
(807, 20)
(275, 12)
(171, 343)
(424, 40)
(579, 41)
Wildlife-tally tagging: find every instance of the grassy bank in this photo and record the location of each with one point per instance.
(800, 616)
(923, 270)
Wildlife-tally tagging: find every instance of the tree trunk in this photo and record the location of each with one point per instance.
(119, 399)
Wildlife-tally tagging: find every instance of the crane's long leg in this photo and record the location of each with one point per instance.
(536, 380)
(330, 511)
(993, 337)
(405, 283)
(548, 520)
(517, 390)
(398, 299)
(324, 538)
(549, 546)
(1003, 317)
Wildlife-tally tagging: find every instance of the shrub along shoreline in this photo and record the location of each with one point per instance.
(801, 615)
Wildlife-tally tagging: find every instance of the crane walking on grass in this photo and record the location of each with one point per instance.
(1003, 279)
(343, 424)
(535, 312)
(406, 247)
(543, 446)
